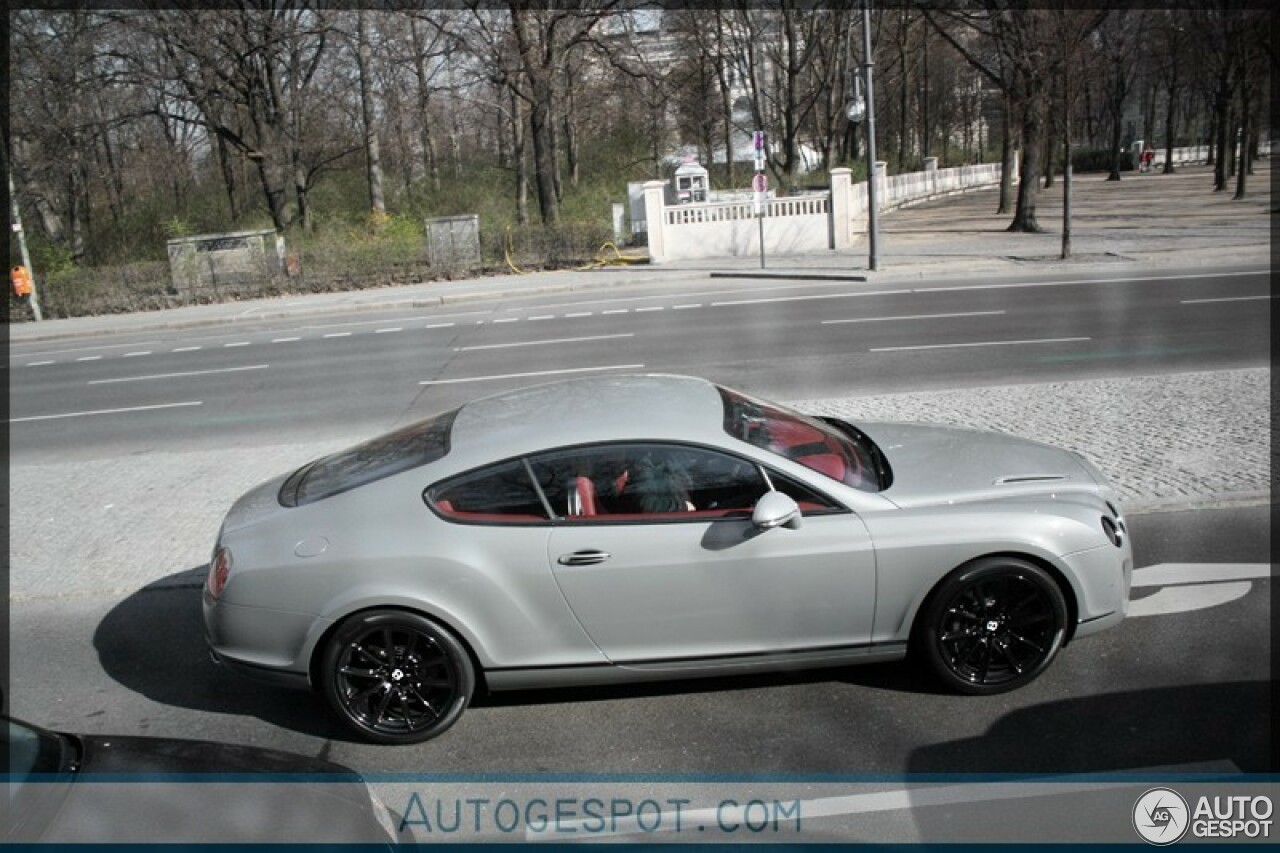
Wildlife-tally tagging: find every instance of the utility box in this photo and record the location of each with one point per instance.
(453, 241)
(214, 261)
(692, 183)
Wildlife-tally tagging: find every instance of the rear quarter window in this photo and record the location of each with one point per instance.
(376, 459)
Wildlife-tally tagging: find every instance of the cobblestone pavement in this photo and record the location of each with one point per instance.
(113, 526)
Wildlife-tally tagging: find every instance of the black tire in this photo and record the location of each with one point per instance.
(991, 626)
(396, 677)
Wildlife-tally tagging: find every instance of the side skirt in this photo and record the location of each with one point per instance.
(672, 670)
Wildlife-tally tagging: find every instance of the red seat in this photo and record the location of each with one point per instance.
(825, 463)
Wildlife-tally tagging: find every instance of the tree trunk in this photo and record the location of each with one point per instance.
(1006, 156)
(1024, 216)
(372, 152)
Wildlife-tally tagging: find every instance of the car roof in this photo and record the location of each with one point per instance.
(589, 409)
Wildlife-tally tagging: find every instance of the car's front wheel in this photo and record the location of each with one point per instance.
(993, 625)
(396, 677)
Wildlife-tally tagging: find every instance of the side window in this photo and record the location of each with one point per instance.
(637, 482)
(501, 494)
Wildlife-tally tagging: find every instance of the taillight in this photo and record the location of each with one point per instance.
(219, 568)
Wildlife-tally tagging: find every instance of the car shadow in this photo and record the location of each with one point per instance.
(152, 642)
(1166, 727)
(1112, 745)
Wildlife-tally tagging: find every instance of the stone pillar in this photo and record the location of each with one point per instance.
(655, 219)
(931, 174)
(882, 186)
(841, 188)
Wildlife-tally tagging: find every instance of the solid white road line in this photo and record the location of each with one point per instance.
(1225, 299)
(1068, 282)
(1175, 573)
(543, 343)
(178, 375)
(774, 299)
(913, 317)
(979, 344)
(104, 412)
(532, 374)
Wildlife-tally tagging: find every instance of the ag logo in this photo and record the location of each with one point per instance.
(1161, 816)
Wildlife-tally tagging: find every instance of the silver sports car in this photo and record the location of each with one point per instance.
(638, 528)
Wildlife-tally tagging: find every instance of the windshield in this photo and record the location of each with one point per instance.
(417, 444)
(846, 457)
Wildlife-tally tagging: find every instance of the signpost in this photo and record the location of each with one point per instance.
(760, 186)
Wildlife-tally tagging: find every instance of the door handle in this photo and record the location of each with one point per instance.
(583, 558)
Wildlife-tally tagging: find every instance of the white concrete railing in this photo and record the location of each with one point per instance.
(796, 223)
(731, 229)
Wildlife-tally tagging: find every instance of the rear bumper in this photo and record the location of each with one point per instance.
(262, 674)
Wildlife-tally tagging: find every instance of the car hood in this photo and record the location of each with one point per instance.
(933, 464)
(147, 790)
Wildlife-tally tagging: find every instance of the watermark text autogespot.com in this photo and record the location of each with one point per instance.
(535, 817)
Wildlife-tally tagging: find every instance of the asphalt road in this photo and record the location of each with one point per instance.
(1184, 685)
(368, 372)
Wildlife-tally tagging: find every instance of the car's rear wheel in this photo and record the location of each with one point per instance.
(396, 677)
(993, 625)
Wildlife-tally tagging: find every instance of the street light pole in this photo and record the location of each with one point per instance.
(22, 244)
(872, 212)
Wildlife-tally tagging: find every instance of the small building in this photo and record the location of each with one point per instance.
(692, 183)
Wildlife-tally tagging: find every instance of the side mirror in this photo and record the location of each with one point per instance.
(775, 509)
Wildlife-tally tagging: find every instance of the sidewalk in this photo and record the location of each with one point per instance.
(1140, 222)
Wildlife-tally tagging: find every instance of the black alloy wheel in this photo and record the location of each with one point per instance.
(396, 677)
(993, 625)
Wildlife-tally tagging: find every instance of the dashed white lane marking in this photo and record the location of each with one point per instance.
(286, 340)
(543, 317)
(686, 307)
(979, 344)
(40, 363)
(616, 311)
(187, 349)
(534, 373)
(575, 314)
(648, 309)
(234, 344)
(543, 343)
(438, 325)
(138, 353)
(338, 335)
(89, 358)
(104, 412)
(913, 317)
(388, 331)
(506, 320)
(179, 375)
